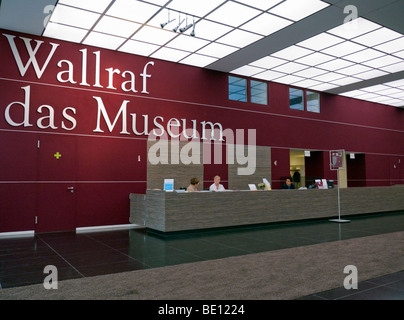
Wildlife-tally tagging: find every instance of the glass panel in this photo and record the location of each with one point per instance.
(313, 101)
(259, 92)
(237, 89)
(296, 99)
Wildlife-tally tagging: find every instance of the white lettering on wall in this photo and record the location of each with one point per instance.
(45, 122)
(31, 53)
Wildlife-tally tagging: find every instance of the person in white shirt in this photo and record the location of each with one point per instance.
(216, 186)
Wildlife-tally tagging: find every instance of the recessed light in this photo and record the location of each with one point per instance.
(320, 41)
(62, 32)
(217, 50)
(170, 54)
(74, 17)
(292, 53)
(266, 24)
(239, 38)
(233, 14)
(377, 37)
(297, 9)
(198, 60)
(354, 28)
(140, 48)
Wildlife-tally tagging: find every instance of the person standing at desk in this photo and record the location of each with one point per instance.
(216, 186)
(288, 184)
(194, 185)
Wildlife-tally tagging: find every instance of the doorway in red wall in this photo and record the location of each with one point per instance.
(56, 201)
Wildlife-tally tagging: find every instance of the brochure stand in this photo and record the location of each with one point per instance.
(336, 163)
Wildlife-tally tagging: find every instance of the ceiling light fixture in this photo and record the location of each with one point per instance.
(168, 21)
(179, 24)
(187, 26)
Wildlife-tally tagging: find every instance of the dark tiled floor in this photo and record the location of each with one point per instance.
(22, 260)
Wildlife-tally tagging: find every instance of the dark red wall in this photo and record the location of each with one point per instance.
(104, 167)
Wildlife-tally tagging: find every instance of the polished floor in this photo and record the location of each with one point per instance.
(78, 255)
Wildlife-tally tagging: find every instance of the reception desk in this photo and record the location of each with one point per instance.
(172, 211)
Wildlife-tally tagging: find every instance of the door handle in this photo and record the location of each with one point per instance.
(71, 189)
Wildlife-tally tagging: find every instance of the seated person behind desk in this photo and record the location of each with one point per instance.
(216, 186)
(288, 184)
(193, 186)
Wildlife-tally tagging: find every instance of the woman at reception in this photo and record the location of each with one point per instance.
(216, 186)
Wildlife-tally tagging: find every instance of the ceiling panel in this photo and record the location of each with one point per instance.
(302, 43)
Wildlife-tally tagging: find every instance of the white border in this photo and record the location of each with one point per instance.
(108, 228)
(17, 234)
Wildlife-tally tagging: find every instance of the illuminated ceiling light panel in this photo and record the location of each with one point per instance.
(92, 5)
(233, 14)
(343, 49)
(269, 75)
(377, 37)
(320, 41)
(292, 53)
(217, 50)
(103, 40)
(324, 87)
(335, 64)
(392, 46)
(170, 54)
(308, 83)
(399, 54)
(266, 24)
(210, 30)
(132, 10)
(354, 28)
(382, 61)
(376, 88)
(390, 91)
(239, 38)
(247, 71)
(329, 76)
(62, 32)
(262, 4)
(364, 55)
(368, 96)
(394, 67)
(353, 93)
(268, 62)
(396, 83)
(187, 43)
(195, 8)
(139, 48)
(298, 9)
(315, 59)
(289, 79)
(154, 35)
(290, 67)
(117, 27)
(371, 74)
(345, 81)
(74, 17)
(394, 102)
(198, 60)
(352, 70)
(310, 72)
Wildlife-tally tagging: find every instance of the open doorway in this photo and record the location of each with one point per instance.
(297, 167)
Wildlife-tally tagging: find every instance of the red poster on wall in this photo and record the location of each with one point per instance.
(336, 159)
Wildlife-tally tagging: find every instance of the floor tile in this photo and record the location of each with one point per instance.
(78, 255)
